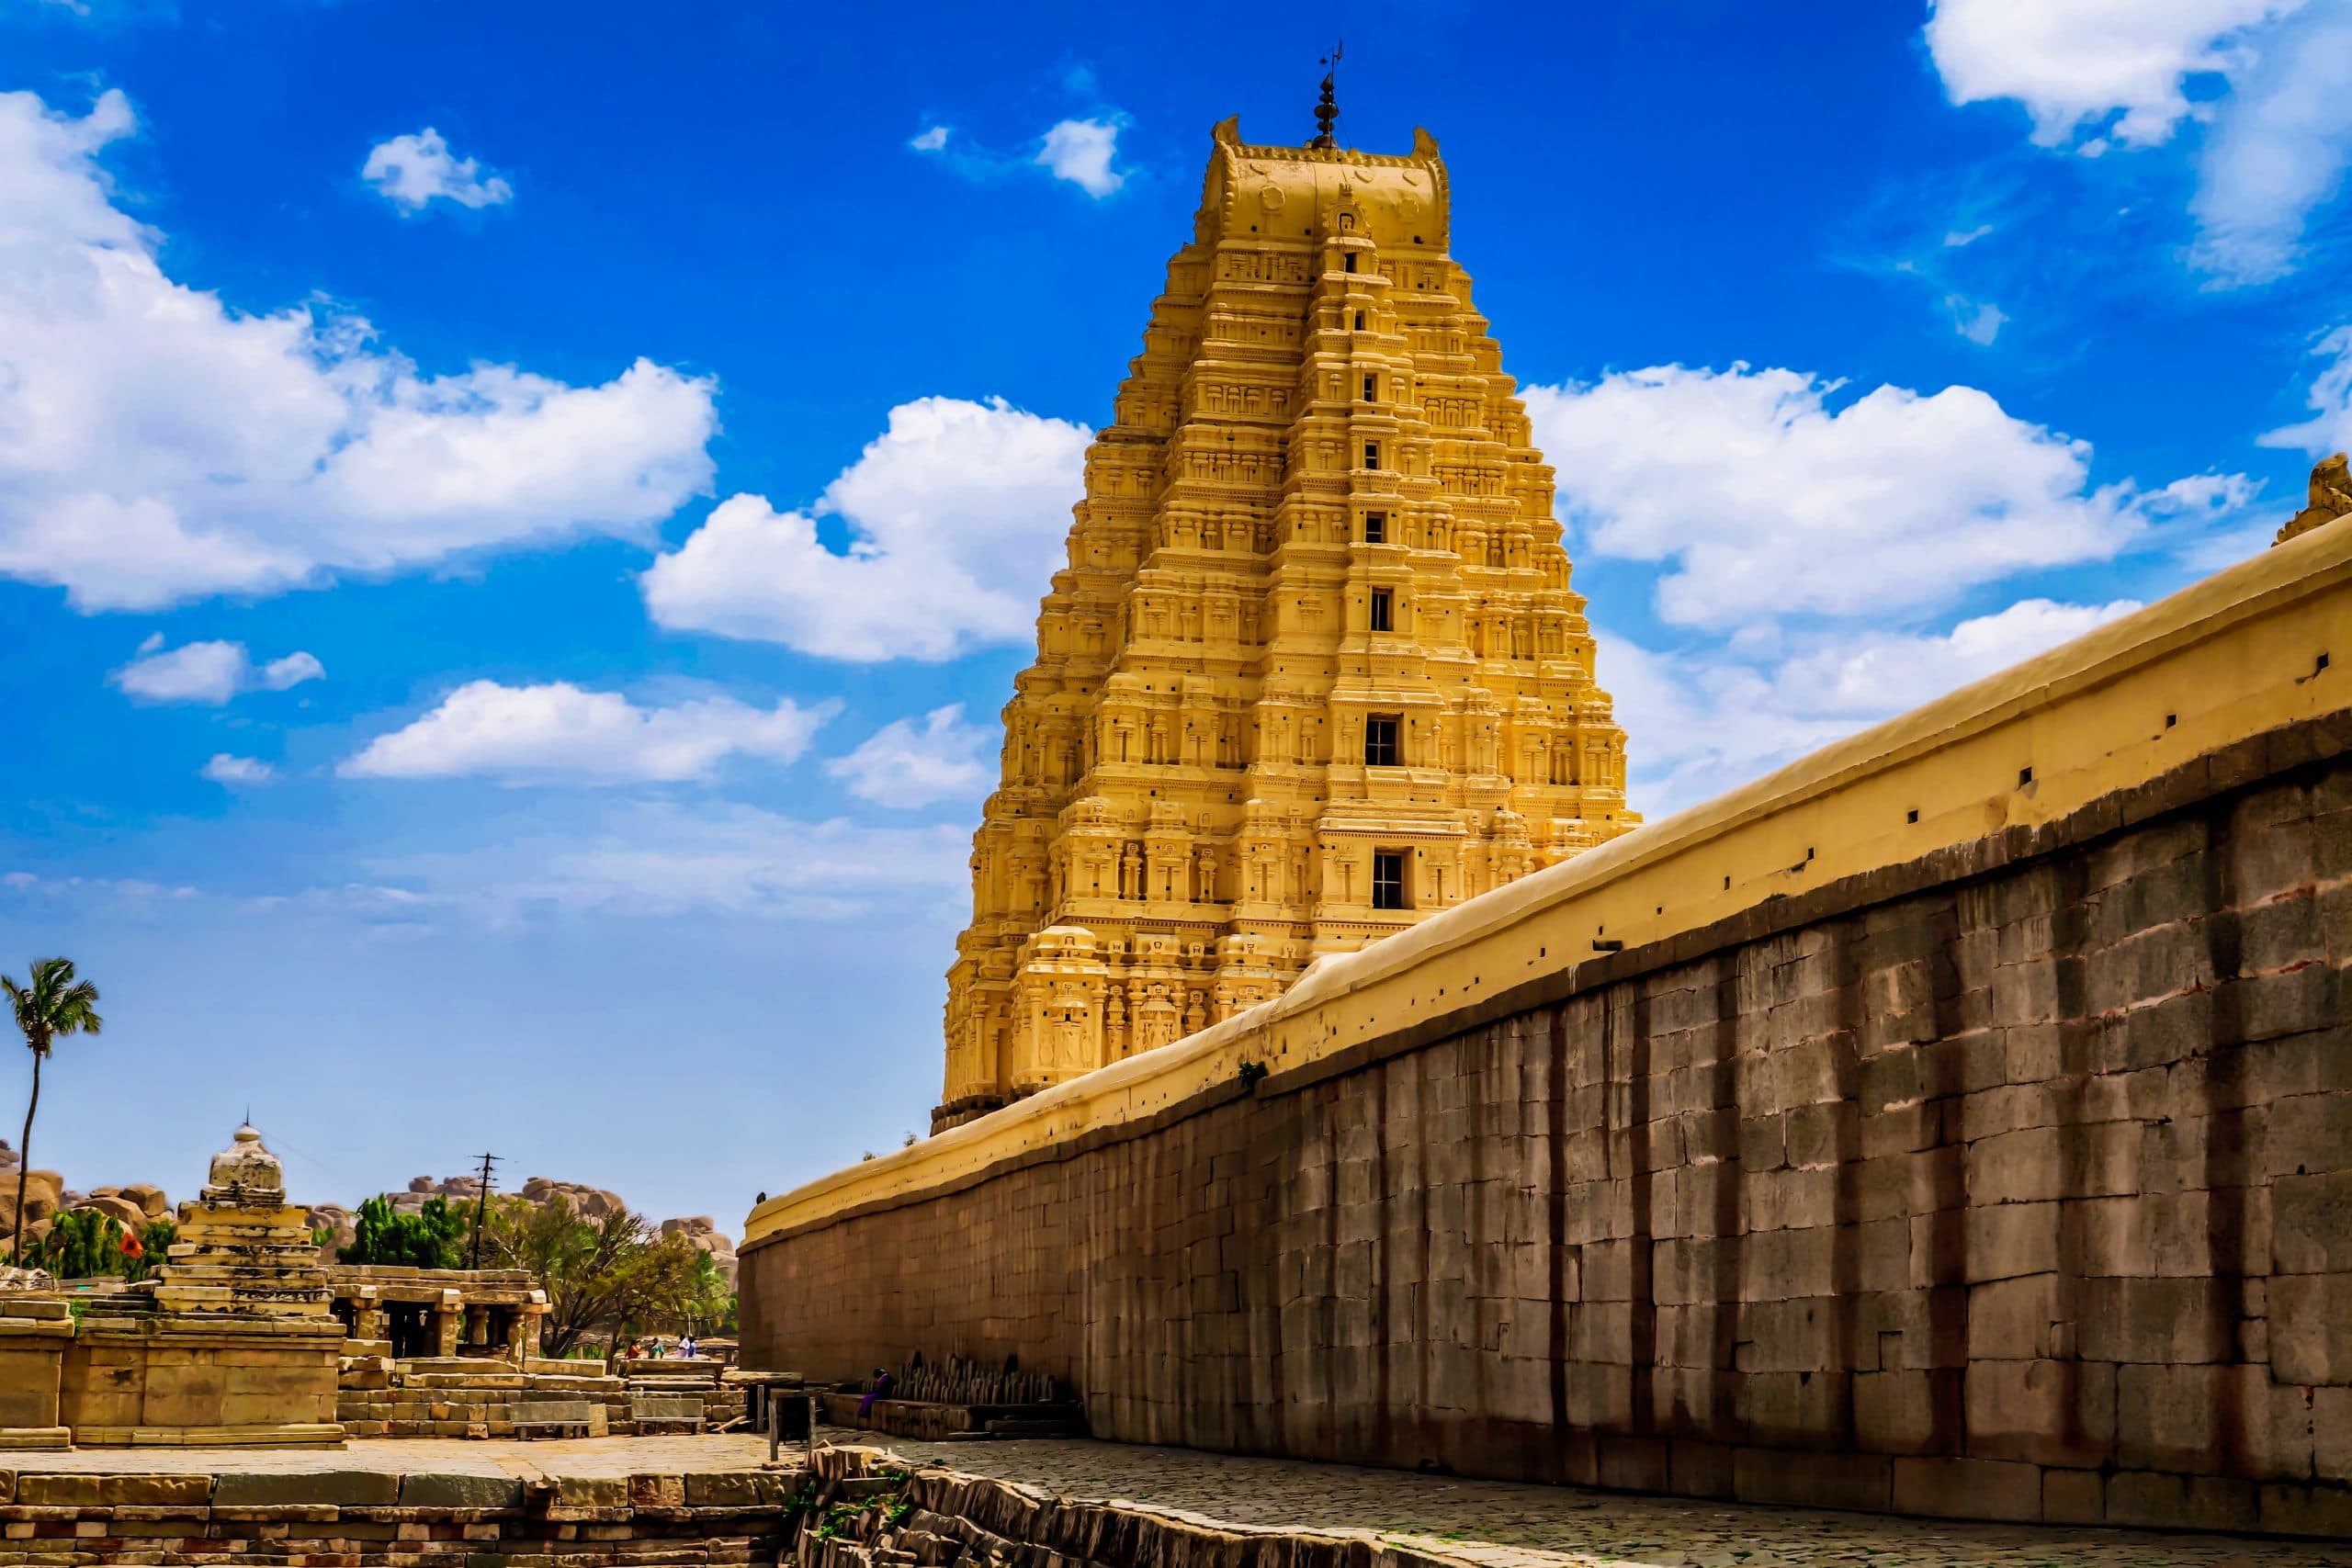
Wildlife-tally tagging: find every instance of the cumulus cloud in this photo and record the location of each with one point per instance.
(414, 171)
(156, 446)
(1708, 720)
(209, 672)
(2120, 70)
(228, 770)
(957, 514)
(908, 766)
(1080, 151)
(1743, 484)
(526, 734)
(931, 140)
(2274, 77)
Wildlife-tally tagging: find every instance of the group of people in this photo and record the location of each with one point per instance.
(660, 1348)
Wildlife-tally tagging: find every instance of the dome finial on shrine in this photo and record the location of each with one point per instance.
(1326, 110)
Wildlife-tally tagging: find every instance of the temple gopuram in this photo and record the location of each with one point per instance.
(1314, 670)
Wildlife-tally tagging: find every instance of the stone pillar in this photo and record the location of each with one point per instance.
(34, 1333)
(442, 1325)
(476, 1324)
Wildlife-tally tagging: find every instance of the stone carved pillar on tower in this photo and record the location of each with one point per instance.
(1061, 984)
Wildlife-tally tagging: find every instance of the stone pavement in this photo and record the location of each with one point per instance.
(1491, 1524)
(1498, 1524)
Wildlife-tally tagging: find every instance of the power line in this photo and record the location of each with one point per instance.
(481, 1203)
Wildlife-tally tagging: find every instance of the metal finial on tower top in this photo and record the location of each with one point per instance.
(1328, 110)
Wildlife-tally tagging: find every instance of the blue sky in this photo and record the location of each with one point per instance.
(516, 522)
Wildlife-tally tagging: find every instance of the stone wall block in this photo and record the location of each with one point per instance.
(2046, 1412)
(2312, 1223)
(1898, 1411)
(2010, 1320)
(2008, 1240)
(1968, 1488)
(2311, 1328)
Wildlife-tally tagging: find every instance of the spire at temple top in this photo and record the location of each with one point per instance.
(1326, 110)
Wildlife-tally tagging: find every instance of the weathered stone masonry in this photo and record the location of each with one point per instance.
(2013, 1181)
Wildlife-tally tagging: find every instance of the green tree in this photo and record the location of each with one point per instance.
(602, 1277)
(52, 1006)
(84, 1244)
(427, 1239)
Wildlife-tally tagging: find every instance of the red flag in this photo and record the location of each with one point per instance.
(131, 1247)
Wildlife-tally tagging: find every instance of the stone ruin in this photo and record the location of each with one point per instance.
(231, 1342)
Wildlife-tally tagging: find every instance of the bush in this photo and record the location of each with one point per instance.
(84, 1243)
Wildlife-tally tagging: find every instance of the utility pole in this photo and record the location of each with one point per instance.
(481, 1204)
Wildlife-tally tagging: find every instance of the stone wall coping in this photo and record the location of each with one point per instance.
(2151, 697)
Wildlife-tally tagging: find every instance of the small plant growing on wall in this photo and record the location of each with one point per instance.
(1252, 1075)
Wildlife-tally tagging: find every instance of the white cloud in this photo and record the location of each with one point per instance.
(208, 672)
(905, 766)
(1080, 151)
(1881, 673)
(1980, 321)
(958, 513)
(2089, 63)
(2330, 399)
(1707, 720)
(228, 770)
(653, 859)
(415, 170)
(2099, 73)
(291, 670)
(2278, 151)
(156, 446)
(523, 733)
(1764, 501)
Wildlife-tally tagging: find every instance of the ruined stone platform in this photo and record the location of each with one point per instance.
(405, 1503)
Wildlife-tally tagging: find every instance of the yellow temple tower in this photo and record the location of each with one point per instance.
(1314, 670)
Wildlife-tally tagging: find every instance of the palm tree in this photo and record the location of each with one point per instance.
(53, 1005)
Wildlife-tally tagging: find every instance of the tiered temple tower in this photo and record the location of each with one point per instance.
(1314, 670)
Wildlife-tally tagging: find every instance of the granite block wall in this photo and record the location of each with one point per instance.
(2014, 1185)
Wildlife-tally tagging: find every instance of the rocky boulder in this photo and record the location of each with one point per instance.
(122, 1211)
(701, 1233)
(44, 1195)
(588, 1202)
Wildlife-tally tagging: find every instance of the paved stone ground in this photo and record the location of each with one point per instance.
(591, 1457)
(1492, 1524)
(1500, 1524)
